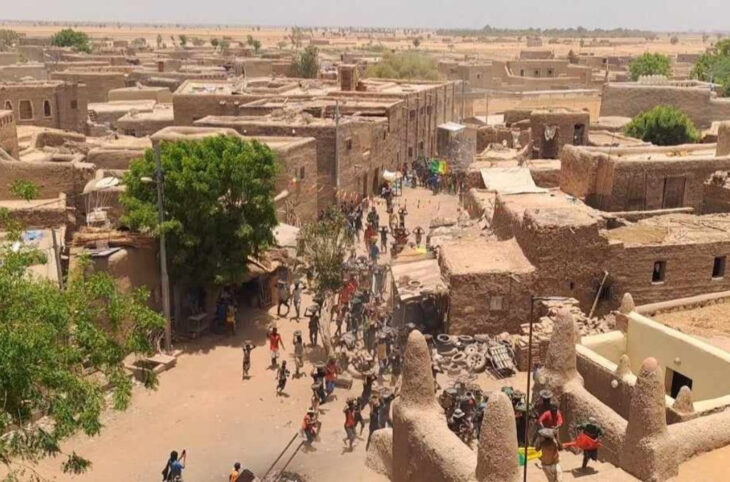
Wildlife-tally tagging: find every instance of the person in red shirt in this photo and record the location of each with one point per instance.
(551, 418)
(274, 342)
(347, 291)
(350, 423)
(331, 371)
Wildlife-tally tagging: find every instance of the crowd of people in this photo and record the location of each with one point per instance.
(364, 329)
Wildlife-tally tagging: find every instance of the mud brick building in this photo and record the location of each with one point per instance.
(351, 154)
(640, 178)
(195, 99)
(671, 256)
(98, 83)
(50, 103)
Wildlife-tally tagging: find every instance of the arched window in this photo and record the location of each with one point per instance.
(8, 105)
(46, 108)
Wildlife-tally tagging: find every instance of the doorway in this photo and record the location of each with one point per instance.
(579, 131)
(673, 192)
(674, 381)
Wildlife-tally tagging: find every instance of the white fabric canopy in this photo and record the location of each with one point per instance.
(509, 180)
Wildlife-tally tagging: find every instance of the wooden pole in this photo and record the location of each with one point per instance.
(57, 255)
(281, 455)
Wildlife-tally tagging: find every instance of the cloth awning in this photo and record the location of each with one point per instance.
(509, 180)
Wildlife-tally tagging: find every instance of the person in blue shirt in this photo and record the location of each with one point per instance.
(173, 470)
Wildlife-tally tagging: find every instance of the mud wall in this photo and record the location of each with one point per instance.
(688, 271)
(630, 99)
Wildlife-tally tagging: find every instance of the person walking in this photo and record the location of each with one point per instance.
(235, 473)
(591, 432)
(297, 298)
(298, 353)
(350, 423)
(246, 364)
(313, 325)
(374, 423)
(548, 443)
(281, 376)
(331, 372)
(274, 342)
(309, 426)
(174, 468)
(283, 288)
(384, 238)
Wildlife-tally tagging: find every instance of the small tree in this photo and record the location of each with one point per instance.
(8, 39)
(417, 42)
(219, 205)
(296, 36)
(406, 65)
(256, 44)
(72, 38)
(306, 65)
(649, 64)
(183, 39)
(50, 340)
(324, 245)
(663, 126)
(214, 42)
(674, 40)
(159, 40)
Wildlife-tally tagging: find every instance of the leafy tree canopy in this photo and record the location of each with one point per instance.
(714, 66)
(406, 65)
(218, 204)
(69, 37)
(51, 340)
(649, 64)
(324, 246)
(663, 126)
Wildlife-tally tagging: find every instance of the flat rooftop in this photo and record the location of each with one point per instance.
(256, 86)
(674, 229)
(648, 152)
(552, 208)
(477, 256)
(176, 133)
(288, 119)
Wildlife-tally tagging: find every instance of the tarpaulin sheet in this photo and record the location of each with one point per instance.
(509, 180)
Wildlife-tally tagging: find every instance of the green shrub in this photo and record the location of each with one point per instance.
(406, 65)
(69, 37)
(663, 126)
(649, 64)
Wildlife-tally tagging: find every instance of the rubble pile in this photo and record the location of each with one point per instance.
(542, 330)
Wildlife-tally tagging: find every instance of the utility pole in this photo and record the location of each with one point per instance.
(165, 281)
(337, 146)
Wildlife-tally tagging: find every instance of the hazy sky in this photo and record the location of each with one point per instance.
(645, 14)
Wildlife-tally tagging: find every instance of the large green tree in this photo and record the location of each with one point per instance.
(406, 65)
(714, 66)
(69, 37)
(51, 342)
(663, 126)
(218, 204)
(649, 64)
